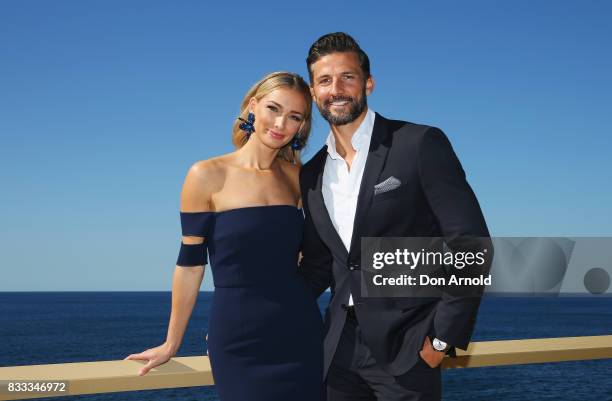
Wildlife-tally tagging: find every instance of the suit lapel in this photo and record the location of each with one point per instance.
(377, 155)
(319, 213)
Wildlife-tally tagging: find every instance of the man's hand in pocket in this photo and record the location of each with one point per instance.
(431, 357)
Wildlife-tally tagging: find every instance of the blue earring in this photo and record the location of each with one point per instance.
(248, 125)
(297, 143)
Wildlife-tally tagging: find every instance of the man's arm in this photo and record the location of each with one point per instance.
(458, 213)
(316, 262)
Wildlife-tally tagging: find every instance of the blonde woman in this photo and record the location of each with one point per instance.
(244, 210)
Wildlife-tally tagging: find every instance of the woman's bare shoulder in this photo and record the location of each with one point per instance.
(208, 171)
(290, 169)
(292, 174)
(204, 178)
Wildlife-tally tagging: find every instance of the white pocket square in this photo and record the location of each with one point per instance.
(387, 185)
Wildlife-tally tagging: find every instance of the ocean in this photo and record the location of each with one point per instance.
(58, 327)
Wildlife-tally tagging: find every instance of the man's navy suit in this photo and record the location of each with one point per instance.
(434, 200)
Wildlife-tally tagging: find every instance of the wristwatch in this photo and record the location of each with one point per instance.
(439, 345)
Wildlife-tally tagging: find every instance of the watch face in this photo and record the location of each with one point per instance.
(439, 345)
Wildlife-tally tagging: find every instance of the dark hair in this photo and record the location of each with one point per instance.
(337, 42)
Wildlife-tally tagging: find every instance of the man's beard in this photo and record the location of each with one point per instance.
(355, 109)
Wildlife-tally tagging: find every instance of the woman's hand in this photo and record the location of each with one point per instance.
(154, 357)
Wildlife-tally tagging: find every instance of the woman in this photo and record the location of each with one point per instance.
(265, 330)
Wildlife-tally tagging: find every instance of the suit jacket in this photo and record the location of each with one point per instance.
(434, 200)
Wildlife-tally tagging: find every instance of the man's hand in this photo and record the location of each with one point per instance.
(431, 357)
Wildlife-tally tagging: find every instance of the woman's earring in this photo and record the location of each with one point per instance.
(248, 125)
(297, 143)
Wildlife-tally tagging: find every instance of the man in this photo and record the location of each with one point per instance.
(379, 348)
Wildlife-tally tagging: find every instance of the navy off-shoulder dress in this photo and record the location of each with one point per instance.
(265, 331)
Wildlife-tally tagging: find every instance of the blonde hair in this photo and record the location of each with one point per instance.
(266, 85)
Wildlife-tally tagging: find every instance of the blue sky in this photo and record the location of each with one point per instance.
(105, 105)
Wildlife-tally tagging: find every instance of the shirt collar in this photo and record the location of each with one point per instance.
(361, 136)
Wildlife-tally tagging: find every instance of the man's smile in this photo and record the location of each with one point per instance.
(338, 102)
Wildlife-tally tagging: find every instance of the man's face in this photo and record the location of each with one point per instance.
(339, 87)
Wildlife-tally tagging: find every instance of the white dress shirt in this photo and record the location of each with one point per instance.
(341, 185)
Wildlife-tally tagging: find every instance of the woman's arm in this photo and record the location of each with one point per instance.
(186, 282)
(185, 288)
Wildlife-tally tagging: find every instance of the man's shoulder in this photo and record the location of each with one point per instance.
(315, 162)
(409, 135)
(401, 127)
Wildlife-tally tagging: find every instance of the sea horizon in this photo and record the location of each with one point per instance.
(44, 327)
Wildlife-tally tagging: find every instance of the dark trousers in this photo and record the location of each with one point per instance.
(355, 376)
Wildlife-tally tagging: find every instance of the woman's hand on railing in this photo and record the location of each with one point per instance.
(154, 357)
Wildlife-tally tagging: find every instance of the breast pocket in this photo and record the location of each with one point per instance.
(392, 194)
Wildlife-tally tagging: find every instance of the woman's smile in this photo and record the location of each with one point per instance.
(276, 135)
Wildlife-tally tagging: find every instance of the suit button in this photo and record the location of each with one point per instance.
(353, 266)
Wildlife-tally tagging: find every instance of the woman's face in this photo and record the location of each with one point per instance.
(278, 116)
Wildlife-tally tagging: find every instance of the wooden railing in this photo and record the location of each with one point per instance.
(113, 376)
